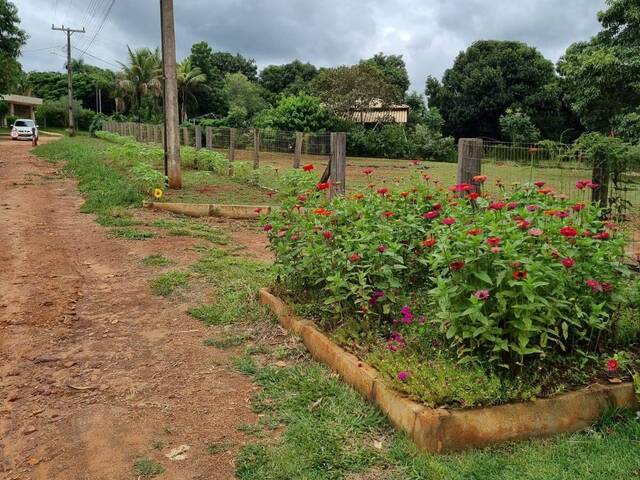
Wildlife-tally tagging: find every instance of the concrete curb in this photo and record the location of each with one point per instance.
(447, 430)
(211, 209)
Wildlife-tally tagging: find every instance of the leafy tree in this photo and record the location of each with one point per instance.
(139, 81)
(602, 76)
(190, 80)
(518, 127)
(12, 39)
(393, 68)
(302, 113)
(344, 89)
(485, 80)
(627, 127)
(288, 79)
(225, 62)
(243, 95)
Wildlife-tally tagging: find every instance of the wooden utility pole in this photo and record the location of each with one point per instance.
(171, 128)
(69, 32)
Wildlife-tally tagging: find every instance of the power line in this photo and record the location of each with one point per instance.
(97, 58)
(92, 18)
(41, 49)
(104, 19)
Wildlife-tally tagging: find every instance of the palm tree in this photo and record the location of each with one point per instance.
(190, 80)
(141, 76)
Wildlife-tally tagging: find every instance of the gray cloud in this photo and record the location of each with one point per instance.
(429, 34)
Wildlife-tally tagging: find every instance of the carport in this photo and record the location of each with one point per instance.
(20, 106)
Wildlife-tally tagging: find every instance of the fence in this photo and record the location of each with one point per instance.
(275, 148)
(560, 166)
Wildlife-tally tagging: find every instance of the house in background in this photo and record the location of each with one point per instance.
(376, 112)
(20, 106)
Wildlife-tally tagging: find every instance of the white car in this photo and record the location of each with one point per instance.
(24, 128)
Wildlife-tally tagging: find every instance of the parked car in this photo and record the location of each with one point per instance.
(24, 129)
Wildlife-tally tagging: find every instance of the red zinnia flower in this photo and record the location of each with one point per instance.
(581, 184)
(520, 274)
(539, 184)
(578, 206)
(302, 198)
(532, 208)
(568, 262)
(383, 191)
(612, 365)
(457, 265)
(431, 215)
(594, 285)
(358, 196)
(382, 248)
(494, 241)
(354, 257)
(267, 228)
(323, 186)
(308, 167)
(461, 187)
(524, 224)
(474, 231)
(448, 221)
(258, 210)
(496, 205)
(368, 171)
(323, 211)
(473, 195)
(568, 232)
(327, 234)
(593, 186)
(404, 194)
(437, 207)
(512, 205)
(602, 236)
(429, 242)
(388, 214)
(480, 178)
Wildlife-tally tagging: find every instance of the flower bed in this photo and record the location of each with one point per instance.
(457, 298)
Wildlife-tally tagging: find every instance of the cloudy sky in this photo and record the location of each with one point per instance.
(428, 33)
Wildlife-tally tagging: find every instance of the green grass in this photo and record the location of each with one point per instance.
(157, 260)
(146, 467)
(131, 233)
(192, 228)
(169, 283)
(227, 342)
(215, 448)
(236, 282)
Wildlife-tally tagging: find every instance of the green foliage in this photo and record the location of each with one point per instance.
(289, 79)
(146, 178)
(343, 89)
(627, 126)
(147, 467)
(486, 79)
(190, 80)
(431, 145)
(518, 127)
(157, 260)
(393, 68)
(131, 233)
(244, 97)
(12, 39)
(11, 119)
(489, 292)
(55, 114)
(140, 82)
(168, 283)
(302, 113)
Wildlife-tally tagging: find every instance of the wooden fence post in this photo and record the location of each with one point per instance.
(208, 134)
(337, 177)
(198, 133)
(185, 136)
(298, 151)
(232, 144)
(256, 148)
(470, 152)
(600, 176)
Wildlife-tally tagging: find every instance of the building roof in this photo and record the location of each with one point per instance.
(21, 100)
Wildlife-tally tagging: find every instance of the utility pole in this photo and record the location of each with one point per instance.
(171, 128)
(69, 32)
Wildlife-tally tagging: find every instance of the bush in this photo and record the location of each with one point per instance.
(508, 279)
(11, 119)
(518, 127)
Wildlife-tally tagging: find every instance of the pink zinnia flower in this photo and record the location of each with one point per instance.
(482, 294)
(449, 221)
(402, 376)
(382, 248)
(496, 205)
(602, 236)
(532, 208)
(568, 262)
(536, 232)
(268, 227)
(431, 215)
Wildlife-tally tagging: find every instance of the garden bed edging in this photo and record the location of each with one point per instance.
(447, 430)
(211, 209)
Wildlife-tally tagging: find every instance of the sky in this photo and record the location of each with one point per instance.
(429, 34)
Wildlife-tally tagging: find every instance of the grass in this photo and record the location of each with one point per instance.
(131, 233)
(168, 283)
(214, 448)
(157, 260)
(192, 228)
(227, 342)
(146, 467)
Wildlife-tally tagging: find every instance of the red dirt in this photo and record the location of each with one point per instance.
(93, 368)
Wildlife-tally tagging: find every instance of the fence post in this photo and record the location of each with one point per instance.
(600, 176)
(337, 177)
(208, 134)
(469, 160)
(232, 144)
(256, 148)
(198, 133)
(185, 137)
(298, 152)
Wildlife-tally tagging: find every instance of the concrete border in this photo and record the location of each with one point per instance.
(447, 430)
(211, 209)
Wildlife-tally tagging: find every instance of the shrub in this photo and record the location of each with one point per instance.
(518, 127)
(11, 119)
(508, 279)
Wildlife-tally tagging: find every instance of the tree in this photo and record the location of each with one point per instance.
(345, 89)
(243, 96)
(602, 76)
(12, 39)
(140, 78)
(288, 79)
(518, 127)
(302, 113)
(485, 80)
(190, 80)
(393, 68)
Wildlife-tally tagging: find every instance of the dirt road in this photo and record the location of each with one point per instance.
(95, 371)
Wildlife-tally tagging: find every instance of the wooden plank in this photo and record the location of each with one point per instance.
(297, 156)
(337, 177)
(233, 133)
(198, 134)
(208, 134)
(256, 148)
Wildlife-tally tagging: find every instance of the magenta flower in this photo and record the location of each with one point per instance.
(375, 296)
(532, 208)
(402, 376)
(482, 294)
(407, 315)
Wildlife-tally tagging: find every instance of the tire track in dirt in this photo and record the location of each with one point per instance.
(93, 368)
